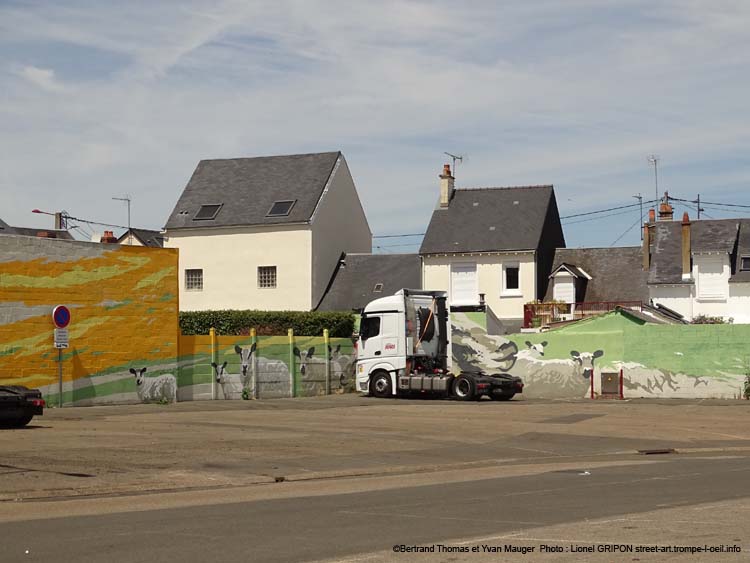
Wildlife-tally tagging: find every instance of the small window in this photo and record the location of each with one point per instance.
(266, 276)
(281, 208)
(745, 263)
(207, 212)
(194, 280)
(369, 327)
(378, 288)
(510, 278)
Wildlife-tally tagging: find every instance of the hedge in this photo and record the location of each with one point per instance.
(268, 323)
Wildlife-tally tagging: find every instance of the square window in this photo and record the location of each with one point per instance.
(745, 263)
(378, 288)
(266, 276)
(194, 280)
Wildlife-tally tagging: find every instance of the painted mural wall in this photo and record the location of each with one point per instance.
(124, 328)
(666, 361)
(263, 367)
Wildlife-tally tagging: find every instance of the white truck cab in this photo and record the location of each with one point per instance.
(403, 348)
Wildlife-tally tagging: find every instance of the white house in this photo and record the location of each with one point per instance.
(699, 268)
(499, 242)
(265, 233)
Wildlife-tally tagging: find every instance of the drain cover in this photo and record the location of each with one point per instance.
(658, 451)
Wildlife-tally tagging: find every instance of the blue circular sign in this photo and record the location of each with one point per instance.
(61, 316)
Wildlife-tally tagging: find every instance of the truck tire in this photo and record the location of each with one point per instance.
(463, 388)
(502, 396)
(380, 385)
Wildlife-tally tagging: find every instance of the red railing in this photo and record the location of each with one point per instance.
(544, 314)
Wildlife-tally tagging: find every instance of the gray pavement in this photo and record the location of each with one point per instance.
(346, 477)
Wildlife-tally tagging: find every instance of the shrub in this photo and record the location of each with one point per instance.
(706, 320)
(268, 323)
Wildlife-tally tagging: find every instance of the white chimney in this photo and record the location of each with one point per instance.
(447, 182)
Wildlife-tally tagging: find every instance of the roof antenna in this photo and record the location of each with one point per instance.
(126, 198)
(455, 158)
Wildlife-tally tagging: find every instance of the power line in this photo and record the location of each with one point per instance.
(609, 209)
(630, 228)
(396, 236)
(599, 217)
(711, 202)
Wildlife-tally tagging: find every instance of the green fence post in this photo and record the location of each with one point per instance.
(214, 359)
(254, 363)
(292, 367)
(326, 348)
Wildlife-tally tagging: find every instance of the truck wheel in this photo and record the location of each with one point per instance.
(502, 396)
(463, 388)
(381, 385)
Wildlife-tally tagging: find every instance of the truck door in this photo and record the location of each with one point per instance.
(379, 336)
(369, 336)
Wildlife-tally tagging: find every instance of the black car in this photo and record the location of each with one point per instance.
(18, 405)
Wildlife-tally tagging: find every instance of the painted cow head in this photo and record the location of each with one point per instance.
(585, 361)
(138, 373)
(245, 355)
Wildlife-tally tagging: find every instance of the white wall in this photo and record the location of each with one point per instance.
(436, 276)
(230, 258)
(338, 225)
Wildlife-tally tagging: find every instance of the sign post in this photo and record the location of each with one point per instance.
(61, 319)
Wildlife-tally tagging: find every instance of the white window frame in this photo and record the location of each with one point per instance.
(190, 284)
(504, 290)
(268, 273)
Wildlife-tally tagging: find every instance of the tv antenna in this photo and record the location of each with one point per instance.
(455, 158)
(653, 160)
(126, 198)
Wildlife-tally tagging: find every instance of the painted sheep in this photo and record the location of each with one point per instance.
(272, 376)
(155, 389)
(231, 383)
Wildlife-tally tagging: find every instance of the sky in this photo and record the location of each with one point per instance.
(103, 99)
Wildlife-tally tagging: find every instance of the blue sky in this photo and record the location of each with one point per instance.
(99, 99)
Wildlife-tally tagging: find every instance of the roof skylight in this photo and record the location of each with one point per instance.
(207, 212)
(281, 208)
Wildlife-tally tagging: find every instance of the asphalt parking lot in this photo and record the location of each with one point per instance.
(78, 462)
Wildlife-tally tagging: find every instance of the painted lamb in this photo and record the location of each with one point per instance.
(154, 389)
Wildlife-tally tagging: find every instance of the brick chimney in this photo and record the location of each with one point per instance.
(447, 182)
(108, 237)
(686, 268)
(46, 234)
(665, 210)
(646, 250)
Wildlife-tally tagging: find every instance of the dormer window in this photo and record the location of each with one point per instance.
(281, 208)
(745, 263)
(207, 212)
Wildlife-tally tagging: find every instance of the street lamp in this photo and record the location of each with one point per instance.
(61, 218)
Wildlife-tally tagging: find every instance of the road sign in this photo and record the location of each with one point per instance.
(61, 338)
(61, 316)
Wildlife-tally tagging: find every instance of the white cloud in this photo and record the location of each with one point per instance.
(44, 78)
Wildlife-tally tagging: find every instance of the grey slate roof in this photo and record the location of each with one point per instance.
(353, 285)
(731, 236)
(616, 273)
(154, 239)
(6, 229)
(489, 219)
(248, 187)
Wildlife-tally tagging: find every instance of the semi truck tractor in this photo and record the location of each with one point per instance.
(404, 349)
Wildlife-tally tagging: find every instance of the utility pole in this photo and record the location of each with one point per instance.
(653, 159)
(127, 200)
(699, 208)
(639, 197)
